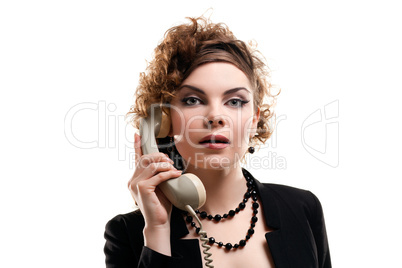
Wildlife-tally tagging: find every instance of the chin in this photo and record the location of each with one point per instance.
(213, 161)
(206, 158)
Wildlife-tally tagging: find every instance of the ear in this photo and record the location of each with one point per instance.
(256, 118)
(254, 123)
(165, 125)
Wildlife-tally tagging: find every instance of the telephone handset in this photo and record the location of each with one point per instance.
(184, 190)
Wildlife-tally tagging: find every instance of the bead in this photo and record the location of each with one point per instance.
(251, 149)
(217, 217)
(197, 211)
(228, 246)
(203, 214)
(251, 192)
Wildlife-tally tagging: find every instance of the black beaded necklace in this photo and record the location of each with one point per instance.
(251, 192)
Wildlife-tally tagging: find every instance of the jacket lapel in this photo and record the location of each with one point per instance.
(275, 239)
(178, 225)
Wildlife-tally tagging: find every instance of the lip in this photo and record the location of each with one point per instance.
(211, 145)
(215, 145)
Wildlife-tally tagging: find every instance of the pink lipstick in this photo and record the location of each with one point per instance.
(215, 142)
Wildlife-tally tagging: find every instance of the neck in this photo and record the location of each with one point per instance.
(225, 188)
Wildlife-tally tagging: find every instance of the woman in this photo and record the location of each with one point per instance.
(214, 85)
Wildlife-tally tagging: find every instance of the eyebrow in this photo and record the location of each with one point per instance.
(227, 92)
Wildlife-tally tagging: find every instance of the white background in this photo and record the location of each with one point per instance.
(56, 197)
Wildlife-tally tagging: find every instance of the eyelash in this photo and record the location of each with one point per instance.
(185, 101)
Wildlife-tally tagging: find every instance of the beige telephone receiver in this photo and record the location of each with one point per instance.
(184, 190)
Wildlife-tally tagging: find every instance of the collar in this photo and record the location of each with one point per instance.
(177, 223)
(268, 201)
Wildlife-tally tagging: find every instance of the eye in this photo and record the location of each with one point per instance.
(190, 101)
(237, 102)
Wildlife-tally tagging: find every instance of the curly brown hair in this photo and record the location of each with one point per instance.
(187, 46)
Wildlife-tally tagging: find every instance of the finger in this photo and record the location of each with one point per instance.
(153, 168)
(164, 176)
(146, 160)
(148, 165)
(137, 147)
(146, 186)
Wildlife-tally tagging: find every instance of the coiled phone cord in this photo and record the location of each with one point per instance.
(203, 237)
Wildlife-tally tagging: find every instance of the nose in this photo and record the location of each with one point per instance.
(215, 118)
(214, 122)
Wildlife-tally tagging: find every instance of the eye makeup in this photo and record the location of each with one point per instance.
(191, 96)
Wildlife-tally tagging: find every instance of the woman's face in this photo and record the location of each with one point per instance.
(213, 116)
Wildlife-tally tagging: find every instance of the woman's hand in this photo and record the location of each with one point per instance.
(150, 171)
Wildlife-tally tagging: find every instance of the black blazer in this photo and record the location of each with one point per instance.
(299, 238)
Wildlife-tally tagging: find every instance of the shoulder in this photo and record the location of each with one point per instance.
(128, 226)
(124, 240)
(292, 199)
(135, 217)
(283, 195)
(290, 193)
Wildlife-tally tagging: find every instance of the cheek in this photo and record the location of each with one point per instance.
(247, 129)
(185, 129)
(178, 123)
